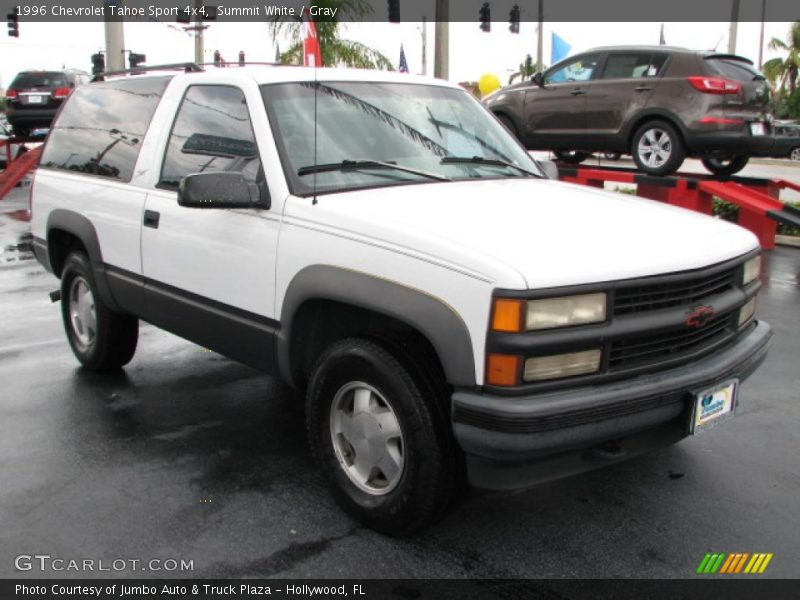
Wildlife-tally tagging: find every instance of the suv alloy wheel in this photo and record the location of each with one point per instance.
(382, 441)
(657, 148)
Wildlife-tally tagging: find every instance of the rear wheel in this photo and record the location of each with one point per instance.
(101, 340)
(725, 165)
(795, 154)
(657, 148)
(572, 157)
(375, 428)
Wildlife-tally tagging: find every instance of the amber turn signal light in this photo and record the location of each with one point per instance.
(503, 369)
(507, 315)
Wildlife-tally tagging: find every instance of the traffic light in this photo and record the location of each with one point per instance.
(241, 58)
(13, 23)
(394, 11)
(486, 17)
(513, 19)
(217, 58)
(134, 59)
(98, 64)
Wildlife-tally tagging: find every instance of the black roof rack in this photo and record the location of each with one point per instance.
(187, 67)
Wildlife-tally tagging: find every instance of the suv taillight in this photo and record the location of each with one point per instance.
(62, 92)
(11, 94)
(715, 85)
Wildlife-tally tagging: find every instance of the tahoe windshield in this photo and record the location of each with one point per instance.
(376, 134)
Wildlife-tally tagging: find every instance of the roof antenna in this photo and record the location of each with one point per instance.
(714, 49)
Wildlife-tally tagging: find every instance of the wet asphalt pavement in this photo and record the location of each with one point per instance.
(186, 455)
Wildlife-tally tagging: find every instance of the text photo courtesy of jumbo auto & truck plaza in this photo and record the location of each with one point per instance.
(399, 299)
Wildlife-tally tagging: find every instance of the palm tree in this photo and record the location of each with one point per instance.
(336, 52)
(782, 72)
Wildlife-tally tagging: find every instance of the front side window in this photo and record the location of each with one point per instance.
(578, 69)
(212, 132)
(410, 133)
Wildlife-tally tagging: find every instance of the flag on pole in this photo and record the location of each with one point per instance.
(312, 55)
(403, 68)
(558, 48)
(661, 40)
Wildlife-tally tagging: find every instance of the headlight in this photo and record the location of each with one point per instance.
(747, 311)
(565, 311)
(562, 365)
(752, 269)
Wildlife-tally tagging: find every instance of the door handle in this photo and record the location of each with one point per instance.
(577, 92)
(643, 88)
(151, 218)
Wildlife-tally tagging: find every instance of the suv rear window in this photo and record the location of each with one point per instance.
(738, 70)
(101, 128)
(44, 79)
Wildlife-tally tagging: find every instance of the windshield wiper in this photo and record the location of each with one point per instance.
(479, 160)
(353, 165)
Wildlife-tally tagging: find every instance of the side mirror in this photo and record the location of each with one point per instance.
(549, 168)
(538, 79)
(220, 190)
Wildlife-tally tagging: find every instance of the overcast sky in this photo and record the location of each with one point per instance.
(472, 52)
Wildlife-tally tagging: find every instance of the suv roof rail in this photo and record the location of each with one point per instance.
(188, 67)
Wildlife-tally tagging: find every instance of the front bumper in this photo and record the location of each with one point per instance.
(514, 441)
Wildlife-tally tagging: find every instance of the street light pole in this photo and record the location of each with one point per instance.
(761, 35)
(115, 41)
(734, 25)
(441, 48)
(539, 42)
(198, 33)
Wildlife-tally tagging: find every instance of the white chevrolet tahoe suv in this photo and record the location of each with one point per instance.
(381, 243)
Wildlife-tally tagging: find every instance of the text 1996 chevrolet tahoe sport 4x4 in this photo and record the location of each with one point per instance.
(381, 242)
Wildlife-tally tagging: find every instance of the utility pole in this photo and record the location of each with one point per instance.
(761, 35)
(441, 49)
(115, 41)
(198, 33)
(734, 25)
(539, 42)
(424, 45)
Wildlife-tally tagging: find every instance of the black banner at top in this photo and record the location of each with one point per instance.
(409, 10)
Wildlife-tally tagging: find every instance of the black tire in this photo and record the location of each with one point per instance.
(508, 124)
(571, 157)
(20, 131)
(111, 342)
(661, 152)
(429, 476)
(725, 165)
(794, 154)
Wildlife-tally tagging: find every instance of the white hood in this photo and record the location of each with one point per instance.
(550, 233)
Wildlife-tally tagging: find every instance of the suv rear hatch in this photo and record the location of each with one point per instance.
(40, 89)
(751, 102)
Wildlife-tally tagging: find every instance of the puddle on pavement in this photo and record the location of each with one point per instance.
(22, 250)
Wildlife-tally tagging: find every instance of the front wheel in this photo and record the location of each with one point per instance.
(375, 428)
(657, 148)
(101, 340)
(725, 165)
(572, 157)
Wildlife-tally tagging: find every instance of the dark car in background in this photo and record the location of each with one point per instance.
(660, 104)
(34, 97)
(786, 141)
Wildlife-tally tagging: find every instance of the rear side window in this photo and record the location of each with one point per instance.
(42, 79)
(633, 65)
(101, 128)
(212, 132)
(738, 70)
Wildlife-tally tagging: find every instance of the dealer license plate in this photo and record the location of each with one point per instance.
(35, 99)
(714, 405)
(757, 129)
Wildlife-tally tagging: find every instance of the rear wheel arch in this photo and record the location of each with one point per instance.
(68, 231)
